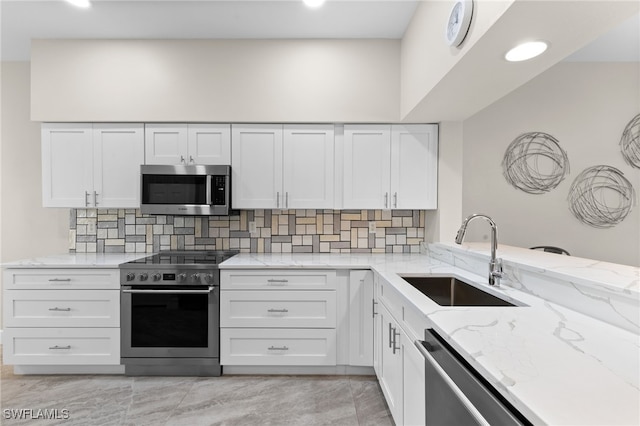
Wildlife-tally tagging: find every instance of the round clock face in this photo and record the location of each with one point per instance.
(459, 22)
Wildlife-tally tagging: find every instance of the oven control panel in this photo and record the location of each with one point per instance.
(169, 278)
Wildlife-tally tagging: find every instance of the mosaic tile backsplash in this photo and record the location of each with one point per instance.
(258, 231)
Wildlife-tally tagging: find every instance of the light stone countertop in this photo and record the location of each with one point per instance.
(76, 260)
(556, 365)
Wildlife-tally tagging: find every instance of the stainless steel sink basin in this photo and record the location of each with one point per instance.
(450, 291)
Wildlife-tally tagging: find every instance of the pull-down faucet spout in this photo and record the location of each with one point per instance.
(495, 265)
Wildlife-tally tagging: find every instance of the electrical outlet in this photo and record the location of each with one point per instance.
(252, 228)
(372, 227)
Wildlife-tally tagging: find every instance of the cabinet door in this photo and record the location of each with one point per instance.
(361, 318)
(67, 164)
(390, 377)
(308, 166)
(256, 167)
(117, 156)
(413, 373)
(414, 166)
(209, 144)
(165, 144)
(366, 166)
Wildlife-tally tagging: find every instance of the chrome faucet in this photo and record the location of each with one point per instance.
(495, 265)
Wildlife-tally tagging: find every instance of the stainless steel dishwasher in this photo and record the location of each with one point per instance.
(456, 394)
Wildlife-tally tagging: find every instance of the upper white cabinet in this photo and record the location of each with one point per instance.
(91, 165)
(188, 144)
(390, 166)
(286, 167)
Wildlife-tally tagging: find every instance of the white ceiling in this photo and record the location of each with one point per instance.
(23, 20)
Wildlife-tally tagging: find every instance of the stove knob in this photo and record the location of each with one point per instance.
(143, 276)
(181, 277)
(208, 278)
(195, 277)
(156, 276)
(131, 276)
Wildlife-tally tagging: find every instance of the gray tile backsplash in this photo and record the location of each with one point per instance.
(286, 231)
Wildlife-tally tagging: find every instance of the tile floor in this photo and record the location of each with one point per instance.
(227, 400)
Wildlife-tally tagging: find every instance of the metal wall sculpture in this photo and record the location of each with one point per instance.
(535, 163)
(630, 142)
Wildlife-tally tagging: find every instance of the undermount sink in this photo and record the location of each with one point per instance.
(450, 291)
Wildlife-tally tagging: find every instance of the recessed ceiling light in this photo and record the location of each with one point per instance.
(313, 3)
(525, 51)
(80, 3)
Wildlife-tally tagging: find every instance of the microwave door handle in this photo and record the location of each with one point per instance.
(208, 198)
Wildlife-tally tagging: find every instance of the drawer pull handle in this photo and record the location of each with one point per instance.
(60, 347)
(275, 348)
(59, 280)
(280, 311)
(273, 281)
(60, 309)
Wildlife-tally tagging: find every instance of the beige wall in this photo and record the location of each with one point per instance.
(585, 106)
(27, 228)
(216, 80)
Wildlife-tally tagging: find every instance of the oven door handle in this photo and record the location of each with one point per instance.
(169, 291)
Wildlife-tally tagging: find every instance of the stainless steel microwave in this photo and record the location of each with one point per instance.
(185, 190)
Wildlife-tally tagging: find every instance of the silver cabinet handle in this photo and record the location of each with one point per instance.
(95, 198)
(60, 309)
(374, 307)
(386, 199)
(273, 281)
(56, 347)
(191, 159)
(182, 159)
(59, 280)
(86, 198)
(395, 199)
(275, 348)
(281, 311)
(395, 337)
(278, 200)
(286, 200)
(390, 335)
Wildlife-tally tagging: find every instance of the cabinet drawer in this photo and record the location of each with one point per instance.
(260, 346)
(61, 308)
(277, 279)
(278, 309)
(60, 346)
(61, 279)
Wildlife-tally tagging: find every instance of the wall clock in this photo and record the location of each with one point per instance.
(459, 22)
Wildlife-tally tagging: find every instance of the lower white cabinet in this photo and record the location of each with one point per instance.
(398, 364)
(61, 317)
(278, 346)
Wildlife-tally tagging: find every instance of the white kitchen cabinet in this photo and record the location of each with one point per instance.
(399, 365)
(278, 317)
(390, 166)
(283, 166)
(67, 317)
(361, 318)
(187, 144)
(91, 165)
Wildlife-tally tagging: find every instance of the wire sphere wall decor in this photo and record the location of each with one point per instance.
(601, 196)
(630, 142)
(535, 163)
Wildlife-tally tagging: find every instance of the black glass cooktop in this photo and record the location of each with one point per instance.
(184, 257)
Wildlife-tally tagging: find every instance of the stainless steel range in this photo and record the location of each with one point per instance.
(170, 313)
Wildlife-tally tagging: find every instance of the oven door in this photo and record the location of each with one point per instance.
(170, 322)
